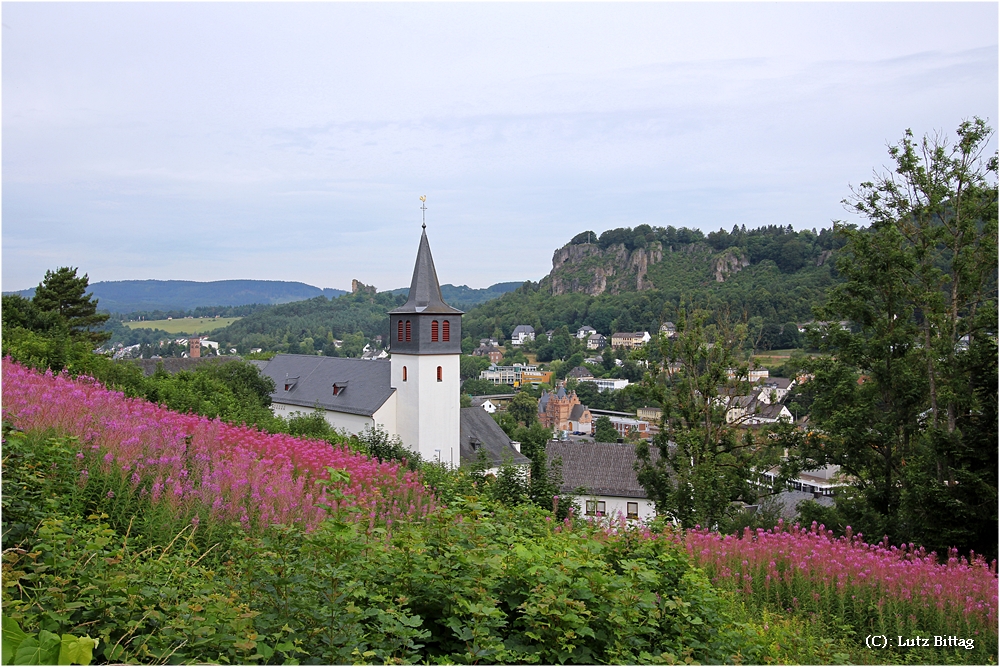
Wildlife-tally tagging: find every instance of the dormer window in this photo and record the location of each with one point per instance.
(339, 388)
(290, 383)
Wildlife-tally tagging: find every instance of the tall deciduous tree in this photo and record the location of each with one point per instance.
(900, 400)
(705, 463)
(63, 292)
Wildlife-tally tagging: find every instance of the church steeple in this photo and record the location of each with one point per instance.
(425, 324)
(425, 290)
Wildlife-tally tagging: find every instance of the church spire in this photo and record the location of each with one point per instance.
(425, 290)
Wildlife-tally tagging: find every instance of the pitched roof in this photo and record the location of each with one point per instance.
(580, 372)
(367, 382)
(603, 469)
(577, 412)
(425, 290)
(479, 433)
(522, 328)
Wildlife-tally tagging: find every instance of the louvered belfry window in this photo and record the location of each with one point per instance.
(446, 331)
(399, 331)
(434, 331)
(407, 331)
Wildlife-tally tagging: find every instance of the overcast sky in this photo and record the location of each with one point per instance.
(292, 141)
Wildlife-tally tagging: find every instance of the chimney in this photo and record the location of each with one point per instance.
(194, 347)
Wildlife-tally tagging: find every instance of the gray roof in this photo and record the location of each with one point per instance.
(480, 433)
(522, 328)
(780, 383)
(368, 382)
(603, 469)
(580, 372)
(577, 412)
(425, 290)
(788, 502)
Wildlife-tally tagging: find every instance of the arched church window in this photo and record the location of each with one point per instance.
(404, 373)
(434, 331)
(407, 331)
(440, 375)
(399, 331)
(446, 331)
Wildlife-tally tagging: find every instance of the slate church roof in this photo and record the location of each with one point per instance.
(425, 290)
(364, 386)
(481, 433)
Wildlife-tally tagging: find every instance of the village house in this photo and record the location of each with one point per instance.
(669, 329)
(629, 340)
(484, 403)
(580, 374)
(774, 390)
(585, 332)
(596, 342)
(491, 352)
(607, 474)
(522, 334)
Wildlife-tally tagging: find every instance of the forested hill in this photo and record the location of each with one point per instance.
(127, 296)
(633, 279)
(464, 297)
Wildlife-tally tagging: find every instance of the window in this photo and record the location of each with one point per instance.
(440, 375)
(446, 331)
(404, 373)
(339, 388)
(399, 331)
(434, 331)
(600, 508)
(595, 507)
(631, 510)
(407, 331)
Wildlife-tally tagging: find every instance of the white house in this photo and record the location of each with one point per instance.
(585, 332)
(484, 403)
(606, 472)
(522, 333)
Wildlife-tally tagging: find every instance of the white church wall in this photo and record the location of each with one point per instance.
(427, 411)
(340, 420)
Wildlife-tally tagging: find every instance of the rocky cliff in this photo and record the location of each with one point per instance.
(586, 268)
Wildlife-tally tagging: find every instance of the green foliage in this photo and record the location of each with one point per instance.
(703, 461)
(604, 431)
(523, 408)
(353, 318)
(378, 444)
(470, 367)
(908, 399)
(46, 648)
(64, 293)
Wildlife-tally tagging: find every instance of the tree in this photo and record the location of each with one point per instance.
(523, 408)
(604, 431)
(901, 400)
(703, 463)
(63, 292)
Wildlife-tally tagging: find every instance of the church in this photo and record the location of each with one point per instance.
(414, 394)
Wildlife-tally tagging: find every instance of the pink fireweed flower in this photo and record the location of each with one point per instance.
(187, 461)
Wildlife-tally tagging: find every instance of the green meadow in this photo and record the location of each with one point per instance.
(195, 325)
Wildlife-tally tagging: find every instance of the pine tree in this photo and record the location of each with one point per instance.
(63, 292)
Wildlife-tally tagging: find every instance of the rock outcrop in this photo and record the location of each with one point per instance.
(727, 264)
(586, 268)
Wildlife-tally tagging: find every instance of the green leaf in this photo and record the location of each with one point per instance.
(12, 638)
(41, 651)
(76, 650)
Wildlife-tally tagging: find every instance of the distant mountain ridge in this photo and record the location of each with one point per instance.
(125, 296)
(465, 296)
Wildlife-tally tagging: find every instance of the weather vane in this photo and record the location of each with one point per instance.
(423, 211)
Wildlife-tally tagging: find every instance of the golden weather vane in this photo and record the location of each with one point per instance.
(423, 211)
